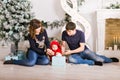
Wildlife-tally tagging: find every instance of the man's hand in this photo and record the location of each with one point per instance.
(67, 52)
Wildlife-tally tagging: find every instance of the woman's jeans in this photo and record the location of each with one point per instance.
(32, 59)
(87, 57)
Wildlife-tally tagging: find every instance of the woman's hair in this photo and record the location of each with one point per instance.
(34, 24)
(70, 26)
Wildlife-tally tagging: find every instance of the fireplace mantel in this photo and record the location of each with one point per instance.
(102, 15)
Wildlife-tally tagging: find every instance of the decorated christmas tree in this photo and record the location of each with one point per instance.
(14, 18)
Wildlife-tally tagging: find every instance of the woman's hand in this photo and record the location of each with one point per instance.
(50, 52)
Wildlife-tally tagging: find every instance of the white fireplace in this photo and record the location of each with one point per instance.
(102, 15)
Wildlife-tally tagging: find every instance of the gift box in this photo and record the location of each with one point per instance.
(58, 61)
(9, 57)
(19, 55)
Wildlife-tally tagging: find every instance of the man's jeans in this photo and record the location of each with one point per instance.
(32, 59)
(87, 57)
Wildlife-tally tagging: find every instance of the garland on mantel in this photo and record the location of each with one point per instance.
(114, 6)
(79, 3)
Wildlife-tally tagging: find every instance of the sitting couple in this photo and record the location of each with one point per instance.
(40, 47)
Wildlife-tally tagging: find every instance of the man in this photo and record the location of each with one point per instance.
(79, 53)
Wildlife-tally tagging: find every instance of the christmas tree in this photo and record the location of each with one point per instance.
(14, 18)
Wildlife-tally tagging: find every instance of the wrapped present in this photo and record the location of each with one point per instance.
(9, 57)
(58, 61)
(20, 55)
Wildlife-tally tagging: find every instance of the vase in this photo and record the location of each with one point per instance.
(14, 47)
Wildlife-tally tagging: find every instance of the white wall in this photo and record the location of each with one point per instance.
(50, 10)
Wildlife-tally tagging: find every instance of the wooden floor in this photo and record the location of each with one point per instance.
(109, 71)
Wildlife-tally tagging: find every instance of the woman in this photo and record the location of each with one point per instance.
(39, 46)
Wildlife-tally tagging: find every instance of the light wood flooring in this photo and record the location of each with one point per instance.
(110, 71)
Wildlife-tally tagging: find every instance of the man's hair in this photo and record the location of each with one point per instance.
(70, 26)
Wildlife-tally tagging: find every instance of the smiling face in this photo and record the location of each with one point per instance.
(35, 28)
(37, 31)
(71, 28)
(54, 47)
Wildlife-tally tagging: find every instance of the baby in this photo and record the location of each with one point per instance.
(56, 48)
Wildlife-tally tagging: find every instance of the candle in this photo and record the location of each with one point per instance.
(110, 48)
(115, 47)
